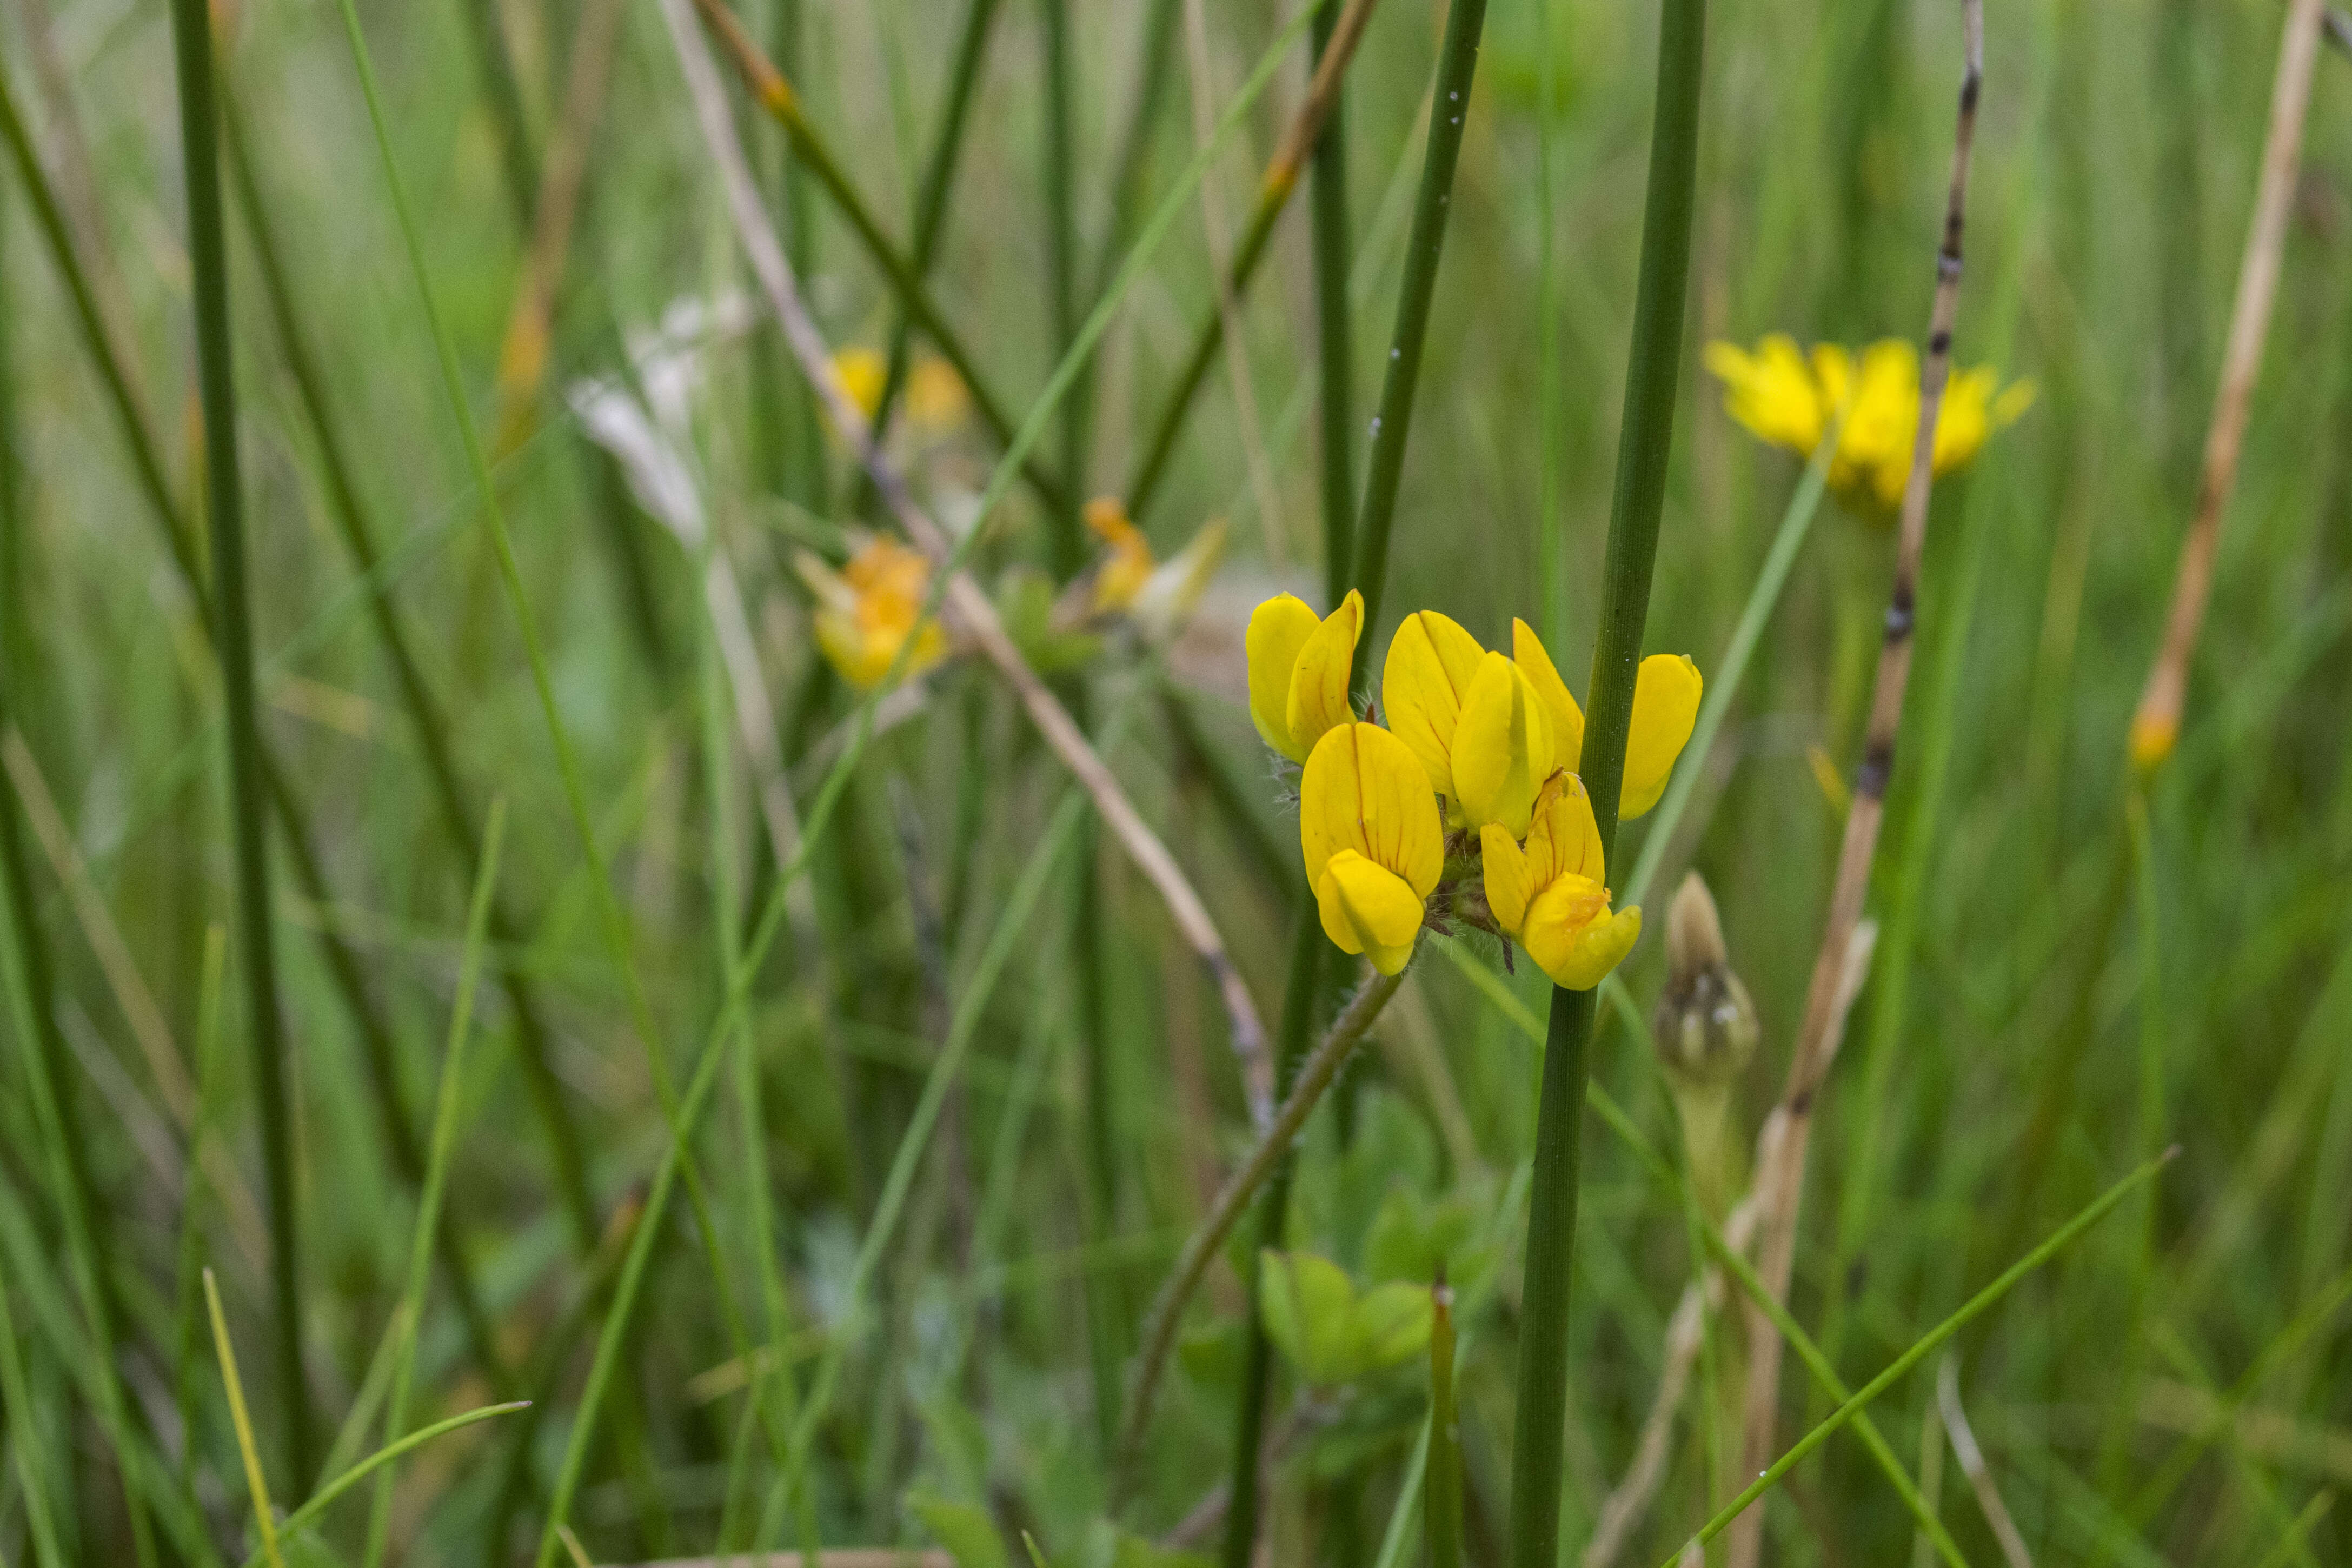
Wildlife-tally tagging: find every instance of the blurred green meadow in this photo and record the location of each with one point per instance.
(978, 1091)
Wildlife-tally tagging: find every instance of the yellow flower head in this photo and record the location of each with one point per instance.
(1552, 895)
(1788, 401)
(1298, 671)
(1489, 731)
(937, 400)
(1773, 392)
(861, 372)
(1473, 718)
(1367, 828)
(868, 610)
(1129, 565)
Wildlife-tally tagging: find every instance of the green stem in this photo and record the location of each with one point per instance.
(436, 1173)
(503, 92)
(1328, 243)
(1926, 1347)
(430, 725)
(1295, 1031)
(1643, 447)
(1457, 68)
(1444, 1472)
(199, 133)
(939, 183)
(777, 97)
(1152, 73)
(1069, 545)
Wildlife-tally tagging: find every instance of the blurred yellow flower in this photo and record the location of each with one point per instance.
(937, 400)
(866, 611)
(1124, 572)
(1552, 895)
(1489, 731)
(1788, 400)
(1367, 828)
(1298, 671)
(862, 372)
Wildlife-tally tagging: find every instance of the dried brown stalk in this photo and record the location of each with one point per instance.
(2156, 724)
(1844, 952)
(523, 357)
(1972, 1464)
(967, 604)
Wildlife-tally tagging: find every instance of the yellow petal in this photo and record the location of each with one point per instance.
(937, 401)
(1564, 840)
(1502, 747)
(1368, 909)
(1318, 701)
(862, 372)
(1574, 942)
(1773, 392)
(1363, 792)
(1508, 885)
(1567, 717)
(1665, 707)
(1277, 630)
(1429, 665)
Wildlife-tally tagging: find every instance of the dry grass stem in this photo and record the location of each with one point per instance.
(2156, 723)
(1972, 1464)
(967, 604)
(1780, 1186)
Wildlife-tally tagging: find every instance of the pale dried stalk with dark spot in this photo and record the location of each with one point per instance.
(1779, 1182)
(2156, 723)
(965, 602)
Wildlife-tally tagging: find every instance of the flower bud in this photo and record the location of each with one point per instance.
(1705, 1026)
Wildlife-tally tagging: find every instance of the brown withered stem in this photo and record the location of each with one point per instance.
(2156, 723)
(1842, 960)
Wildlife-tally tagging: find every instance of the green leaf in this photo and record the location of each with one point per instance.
(1390, 1324)
(1134, 1552)
(1309, 1306)
(967, 1532)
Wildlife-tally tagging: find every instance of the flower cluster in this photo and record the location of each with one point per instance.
(937, 400)
(1790, 399)
(866, 611)
(1476, 763)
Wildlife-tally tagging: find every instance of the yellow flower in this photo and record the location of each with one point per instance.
(1489, 731)
(1473, 720)
(1298, 671)
(937, 400)
(1367, 828)
(1787, 401)
(1128, 567)
(1666, 689)
(861, 372)
(1773, 392)
(868, 610)
(1172, 592)
(1552, 895)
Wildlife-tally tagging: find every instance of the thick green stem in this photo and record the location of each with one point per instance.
(193, 55)
(1327, 242)
(1643, 447)
(1457, 67)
